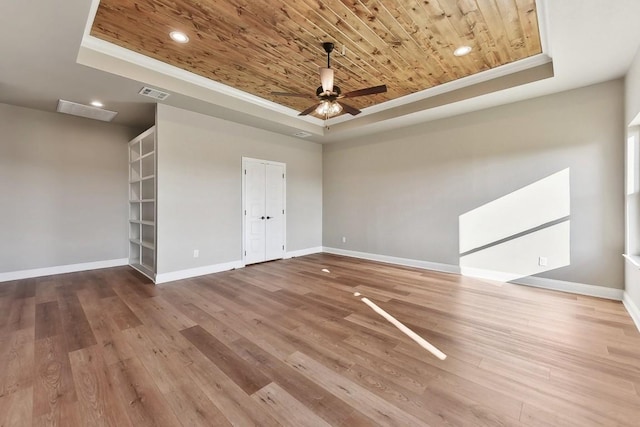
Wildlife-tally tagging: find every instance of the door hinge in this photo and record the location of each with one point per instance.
(282, 211)
(245, 212)
(283, 247)
(245, 253)
(245, 171)
(282, 176)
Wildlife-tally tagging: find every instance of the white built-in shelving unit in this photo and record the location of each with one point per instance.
(142, 203)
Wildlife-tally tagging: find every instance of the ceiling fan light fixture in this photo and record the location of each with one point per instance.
(462, 51)
(328, 109)
(328, 94)
(179, 37)
(326, 77)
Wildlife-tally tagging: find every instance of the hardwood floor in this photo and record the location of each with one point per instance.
(284, 343)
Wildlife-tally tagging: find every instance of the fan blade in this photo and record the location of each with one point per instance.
(349, 109)
(367, 91)
(299, 95)
(326, 77)
(309, 110)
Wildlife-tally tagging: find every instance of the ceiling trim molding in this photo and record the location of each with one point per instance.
(106, 56)
(110, 49)
(201, 100)
(420, 111)
(464, 82)
(93, 10)
(543, 25)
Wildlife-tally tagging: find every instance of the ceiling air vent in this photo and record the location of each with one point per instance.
(302, 134)
(87, 111)
(154, 93)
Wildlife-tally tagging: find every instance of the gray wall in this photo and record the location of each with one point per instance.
(401, 193)
(200, 184)
(632, 108)
(63, 189)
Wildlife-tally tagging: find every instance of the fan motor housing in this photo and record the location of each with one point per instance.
(335, 93)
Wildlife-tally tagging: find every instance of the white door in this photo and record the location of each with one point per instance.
(264, 210)
(255, 218)
(275, 211)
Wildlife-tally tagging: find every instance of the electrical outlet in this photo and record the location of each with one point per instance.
(196, 253)
(542, 261)
(344, 239)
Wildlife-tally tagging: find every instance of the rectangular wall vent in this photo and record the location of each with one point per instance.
(302, 134)
(154, 93)
(87, 111)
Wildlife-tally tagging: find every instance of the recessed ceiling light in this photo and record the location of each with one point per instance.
(462, 51)
(302, 134)
(178, 36)
(97, 104)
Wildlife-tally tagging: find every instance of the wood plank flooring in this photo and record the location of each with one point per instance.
(284, 343)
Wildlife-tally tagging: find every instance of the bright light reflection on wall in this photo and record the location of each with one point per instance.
(512, 236)
(632, 161)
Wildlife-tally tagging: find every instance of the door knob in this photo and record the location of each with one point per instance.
(261, 217)
(269, 217)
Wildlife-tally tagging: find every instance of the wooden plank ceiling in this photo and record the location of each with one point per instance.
(260, 46)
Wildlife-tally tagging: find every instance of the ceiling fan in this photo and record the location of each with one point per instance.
(328, 94)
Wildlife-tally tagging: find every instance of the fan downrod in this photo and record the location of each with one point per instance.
(328, 47)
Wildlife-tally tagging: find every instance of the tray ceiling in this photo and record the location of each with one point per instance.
(260, 46)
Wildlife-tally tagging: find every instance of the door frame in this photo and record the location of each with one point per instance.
(243, 196)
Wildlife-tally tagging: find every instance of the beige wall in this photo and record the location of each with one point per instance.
(63, 189)
(401, 193)
(200, 185)
(398, 193)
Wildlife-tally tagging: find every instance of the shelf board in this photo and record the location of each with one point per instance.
(148, 267)
(144, 270)
(137, 221)
(143, 244)
(137, 159)
(144, 178)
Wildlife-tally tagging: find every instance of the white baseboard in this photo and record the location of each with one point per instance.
(198, 271)
(481, 273)
(61, 269)
(538, 282)
(571, 287)
(446, 268)
(303, 252)
(632, 308)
